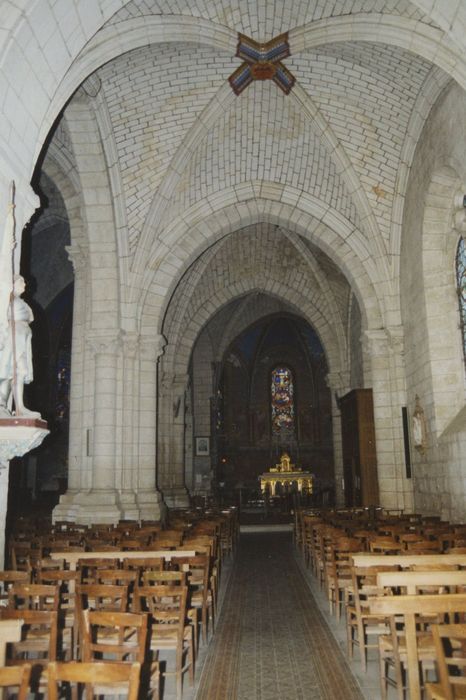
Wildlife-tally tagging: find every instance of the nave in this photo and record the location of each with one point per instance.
(272, 640)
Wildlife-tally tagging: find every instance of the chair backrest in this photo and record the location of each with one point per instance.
(414, 582)
(197, 568)
(9, 578)
(117, 577)
(95, 675)
(34, 596)
(90, 565)
(17, 676)
(424, 547)
(141, 564)
(451, 662)
(161, 578)
(167, 606)
(116, 636)
(99, 596)
(35, 623)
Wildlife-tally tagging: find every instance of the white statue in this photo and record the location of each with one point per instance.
(16, 354)
(15, 333)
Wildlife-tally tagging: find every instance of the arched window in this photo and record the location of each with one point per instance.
(461, 288)
(282, 399)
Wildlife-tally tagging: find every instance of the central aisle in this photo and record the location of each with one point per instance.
(271, 642)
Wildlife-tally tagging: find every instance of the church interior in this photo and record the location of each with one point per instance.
(240, 227)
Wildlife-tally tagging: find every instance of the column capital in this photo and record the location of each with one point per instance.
(396, 339)
(78, 256)
(380, 341)
(104, 342)
(152, 346)
(130, 343)
(375, 342)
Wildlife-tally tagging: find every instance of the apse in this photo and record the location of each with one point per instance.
(268, 396)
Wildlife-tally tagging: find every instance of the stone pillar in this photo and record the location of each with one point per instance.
(338, 383)
(126, 465)
(101, 503)
(148, 497)
(77, 449)
(171, 457)
(384, 370)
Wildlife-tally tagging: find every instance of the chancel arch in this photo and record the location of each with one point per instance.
(191, 209)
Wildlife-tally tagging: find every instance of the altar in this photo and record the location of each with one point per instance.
(287, 476)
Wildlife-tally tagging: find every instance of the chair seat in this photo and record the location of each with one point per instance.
(164, 637)
(425, 645)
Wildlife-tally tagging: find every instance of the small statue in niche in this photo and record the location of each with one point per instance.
(15, 353)
(419, 428)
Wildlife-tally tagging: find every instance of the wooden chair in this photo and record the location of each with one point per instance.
(99, 678)
(65, 580)
(362, 626)
(120, 637)
(450, 647)
(201, 595)
(392, 648)
(407, 608)
(339, 572)
(18, 677)
(39, 642)
(169, 631)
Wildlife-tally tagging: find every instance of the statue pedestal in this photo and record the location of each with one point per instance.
(17, 437)
(20, 435)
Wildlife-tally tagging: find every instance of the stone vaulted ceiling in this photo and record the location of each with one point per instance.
(183, 149)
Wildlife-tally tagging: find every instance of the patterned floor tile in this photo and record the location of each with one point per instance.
(272, 642)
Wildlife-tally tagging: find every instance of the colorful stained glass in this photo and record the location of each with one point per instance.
(282, 393)
(461, 288)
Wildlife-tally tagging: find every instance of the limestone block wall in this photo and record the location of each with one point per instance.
(433, 353)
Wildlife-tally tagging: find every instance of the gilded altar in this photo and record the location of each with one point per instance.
(288, 476)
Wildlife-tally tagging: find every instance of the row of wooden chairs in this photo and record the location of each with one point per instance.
(54, 632)
(387, 607)
(176, 604)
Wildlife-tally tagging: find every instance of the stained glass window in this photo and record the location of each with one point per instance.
(461, 288)
(282, 392)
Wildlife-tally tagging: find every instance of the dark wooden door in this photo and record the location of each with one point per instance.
(359, 450)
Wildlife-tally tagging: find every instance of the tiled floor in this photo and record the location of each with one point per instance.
(275, 638)
(272, 642)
